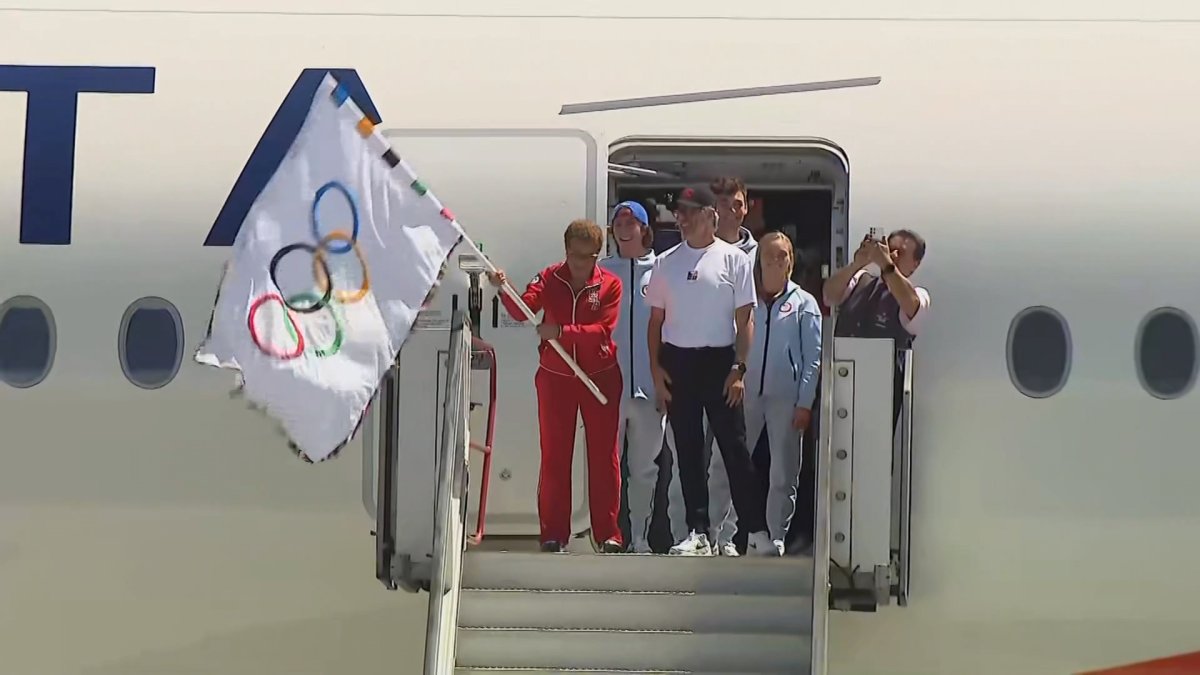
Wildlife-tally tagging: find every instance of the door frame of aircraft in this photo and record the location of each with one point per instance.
(619, 154)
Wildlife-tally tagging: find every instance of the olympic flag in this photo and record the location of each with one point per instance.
(328, 272)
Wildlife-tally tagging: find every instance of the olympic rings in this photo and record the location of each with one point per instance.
(293, 329)
(321, 270)
(308, 302)
(338, 334)
(317, 260)
(316, 222)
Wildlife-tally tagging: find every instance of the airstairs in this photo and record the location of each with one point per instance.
(537, 612)
(504, 606)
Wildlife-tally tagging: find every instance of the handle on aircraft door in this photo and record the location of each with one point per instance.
(484, 353)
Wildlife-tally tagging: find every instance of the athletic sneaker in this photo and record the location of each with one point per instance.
(552, 547)
(760, 544)
(695, 544)
(611, 546)
(728, 550)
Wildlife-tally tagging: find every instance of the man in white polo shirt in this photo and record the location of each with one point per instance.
(702, 298)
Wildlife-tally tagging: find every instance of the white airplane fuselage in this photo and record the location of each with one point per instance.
(1048, 155)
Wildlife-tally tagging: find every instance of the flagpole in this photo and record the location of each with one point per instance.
(516, 298)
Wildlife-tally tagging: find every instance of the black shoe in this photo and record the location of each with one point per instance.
(800, 545)
(552, 547)
(611, 546)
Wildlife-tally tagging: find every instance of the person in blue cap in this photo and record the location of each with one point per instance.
(642, 427)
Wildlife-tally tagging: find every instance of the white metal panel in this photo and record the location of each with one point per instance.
(841, 473)
(873, 363)
(422, 368)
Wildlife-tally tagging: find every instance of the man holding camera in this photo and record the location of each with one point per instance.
(888, 305)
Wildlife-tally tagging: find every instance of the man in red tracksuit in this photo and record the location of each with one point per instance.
(581, 303)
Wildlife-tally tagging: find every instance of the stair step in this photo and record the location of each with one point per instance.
(637, 651)
(543, 670)
(536, 671)
(786, 614)
(791, 575)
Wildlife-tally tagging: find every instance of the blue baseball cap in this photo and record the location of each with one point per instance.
(635, 208)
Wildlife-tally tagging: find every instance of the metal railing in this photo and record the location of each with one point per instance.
(397, 566)
(449, 514)
(824, 461)
(385, 512)
(483, 357)
(900, 589)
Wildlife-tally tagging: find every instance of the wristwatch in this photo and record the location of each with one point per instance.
(740, 367)
(889, 269)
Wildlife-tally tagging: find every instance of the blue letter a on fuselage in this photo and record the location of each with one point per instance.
(274, 144)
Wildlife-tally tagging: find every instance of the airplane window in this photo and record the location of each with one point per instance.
(1039, 352)
(150, 344)
(28, 341)
(1166, 353)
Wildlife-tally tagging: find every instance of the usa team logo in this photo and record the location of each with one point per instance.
(645, 288)
(786, 308)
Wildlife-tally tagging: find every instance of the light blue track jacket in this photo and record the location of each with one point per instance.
(633, 323)
(785, 356)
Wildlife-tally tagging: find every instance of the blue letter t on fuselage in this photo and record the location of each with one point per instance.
(47, 186)
(274, 144)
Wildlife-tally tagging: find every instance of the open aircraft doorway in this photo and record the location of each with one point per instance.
(800, 186)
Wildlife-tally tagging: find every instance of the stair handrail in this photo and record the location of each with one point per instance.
(483, 357)
(824, 464)
(449, 512)
(905, 506)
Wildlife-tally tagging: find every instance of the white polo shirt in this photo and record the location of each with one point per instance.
(700, 288)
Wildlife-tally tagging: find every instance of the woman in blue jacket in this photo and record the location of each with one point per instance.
(781, 374)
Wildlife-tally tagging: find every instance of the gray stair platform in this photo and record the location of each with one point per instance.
(564, 613)
(790, 575)
(786, 614)
(637, 651)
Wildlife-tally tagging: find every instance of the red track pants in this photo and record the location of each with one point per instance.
(561, 399)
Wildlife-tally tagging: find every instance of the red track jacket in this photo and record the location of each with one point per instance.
(587, 318)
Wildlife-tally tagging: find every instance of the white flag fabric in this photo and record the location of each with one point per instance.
(328, 273)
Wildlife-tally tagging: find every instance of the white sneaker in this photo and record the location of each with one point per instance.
(760, 544)
(728, 550)
(695, 544)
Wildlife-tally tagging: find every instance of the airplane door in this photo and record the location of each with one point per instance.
(513, 191)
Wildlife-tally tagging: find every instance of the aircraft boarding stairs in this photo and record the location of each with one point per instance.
(633, 613)
(524, 611)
